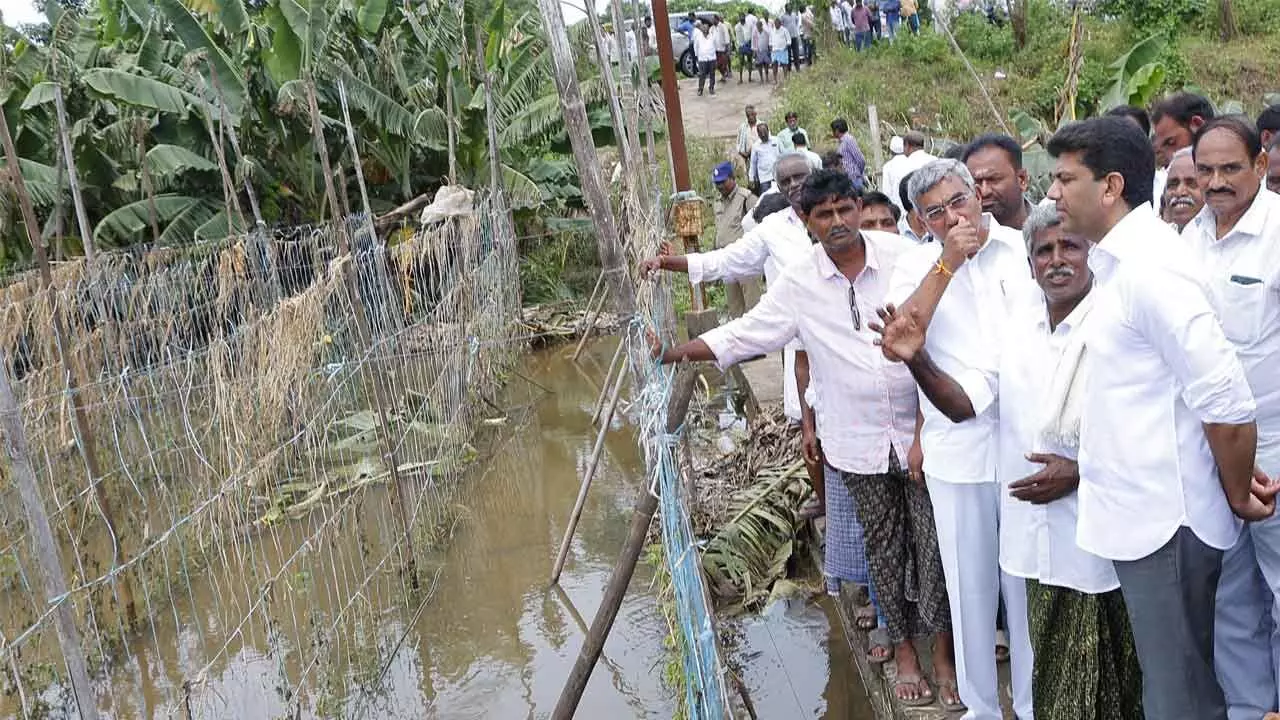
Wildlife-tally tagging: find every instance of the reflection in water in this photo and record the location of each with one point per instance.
(490, 641)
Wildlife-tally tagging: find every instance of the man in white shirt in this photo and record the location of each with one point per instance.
(1083, 647)
(868, 406)
(837, 20)
(764, 156)
(704, 49)
(748, 136)
(963, 288)
(913, 158)
(801, 142)
(910, 226)
(779, 48)
(996, 163)
(1235, 240)
(1183, 197)
(743, 32)
(1167, 438)
(720, 33)
(1174, 121)
(846, 8)
(769, 247)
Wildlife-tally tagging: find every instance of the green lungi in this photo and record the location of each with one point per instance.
(1086, 666)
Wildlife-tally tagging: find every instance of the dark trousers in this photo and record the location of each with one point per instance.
(1170, 596)
(794, 53)
(706, 69)
(861, 40)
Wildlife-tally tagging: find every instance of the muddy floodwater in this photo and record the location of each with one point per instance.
(491, 641)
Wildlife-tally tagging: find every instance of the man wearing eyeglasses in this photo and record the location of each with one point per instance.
(961, 287)
(866, 410)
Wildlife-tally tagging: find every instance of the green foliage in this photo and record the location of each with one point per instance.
(981, 40)
(1139, 73)
(1155, 15)
(1253, 17)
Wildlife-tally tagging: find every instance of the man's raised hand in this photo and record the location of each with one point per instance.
(901, 335)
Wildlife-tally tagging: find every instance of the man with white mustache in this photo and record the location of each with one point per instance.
(1183, 197)
(1084, 662)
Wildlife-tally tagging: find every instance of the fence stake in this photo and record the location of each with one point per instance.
(82, 216)
(877, 153)
(646, 506)
(55, 586)
(592, 465)
(589, 322)
(85, 442)
(614, 363)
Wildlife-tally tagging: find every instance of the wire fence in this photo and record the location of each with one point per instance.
(247, 450)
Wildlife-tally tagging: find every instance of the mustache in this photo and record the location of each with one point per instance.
(1065, 271)
(1220, 191)
(1182, 200)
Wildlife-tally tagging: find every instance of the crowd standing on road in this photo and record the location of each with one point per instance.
(1057, 419)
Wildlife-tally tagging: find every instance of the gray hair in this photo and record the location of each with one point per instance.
(1181, 152)
(928, 177)
(1042, 217)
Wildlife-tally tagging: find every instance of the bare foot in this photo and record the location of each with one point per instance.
(910, 686)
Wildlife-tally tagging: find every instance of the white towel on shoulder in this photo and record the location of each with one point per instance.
(1065, 401)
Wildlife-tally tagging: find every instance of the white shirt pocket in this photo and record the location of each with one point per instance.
(1244, 302)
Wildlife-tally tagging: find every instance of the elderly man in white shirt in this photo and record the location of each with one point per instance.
(1167, 438)
(1235, 239)
(1085, 664)
(779, 240)
(868, 409)
(764, 158)
(963, 288)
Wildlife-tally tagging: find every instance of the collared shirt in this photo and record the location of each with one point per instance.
(704, 46)
(851, 159)
(763, 157)
(748, 138)
(861, 18)
(815, 160)
(784, 138)
(1243, 272)
(909, 164)
(1159, 366)
(721, 34)
(837, 17)
(1038, 542)
(791, 22)
(777, 242)
(779, 38)
(964, 340)
(743, 31)
(1157, 186)
(729, 213)
(868, 403)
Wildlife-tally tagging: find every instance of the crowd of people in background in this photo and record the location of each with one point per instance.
(1041, 432)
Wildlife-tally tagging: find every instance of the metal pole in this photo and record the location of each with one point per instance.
(46, 548)
(671, 98)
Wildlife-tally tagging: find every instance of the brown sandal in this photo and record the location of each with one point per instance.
(949, 686)
(921, 685)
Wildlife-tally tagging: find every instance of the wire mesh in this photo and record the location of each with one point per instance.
(228, 522)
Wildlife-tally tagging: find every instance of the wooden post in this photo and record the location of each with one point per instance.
(671, 98)
(625, 568)
(46, 548)
(877, 152)
(611, 90)
(82, 217)
(612, 259)
(85, 442)
(613, 364)
(592, 464)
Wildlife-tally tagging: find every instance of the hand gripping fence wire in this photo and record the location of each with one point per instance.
(705, 696)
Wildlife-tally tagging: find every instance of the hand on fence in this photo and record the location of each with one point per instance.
(650, 265)
(655, 344)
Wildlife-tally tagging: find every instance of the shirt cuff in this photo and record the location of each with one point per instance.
(976, 386)
(1223, 396)
(722, 346)
(696, 269)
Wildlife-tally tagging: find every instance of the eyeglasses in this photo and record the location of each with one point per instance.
(957, 202)
(853, 310)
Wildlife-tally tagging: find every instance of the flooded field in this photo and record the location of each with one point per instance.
(484, 637)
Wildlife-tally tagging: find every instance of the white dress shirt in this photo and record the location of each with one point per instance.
(964, 339)
(764, 157)
(773, 245)
(1038, 542)
(704, 46)
(837, 18)
(779, 38)
(1157, 186)
(868, 403)
(1159, 366)
(1243, 273)
(891, 176)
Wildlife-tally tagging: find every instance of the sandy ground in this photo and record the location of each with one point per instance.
(720, 115)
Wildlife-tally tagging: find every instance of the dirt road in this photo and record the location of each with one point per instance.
(718, 116)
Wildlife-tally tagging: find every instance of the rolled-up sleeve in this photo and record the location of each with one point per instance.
(1176, 317)
(739, 259)
(979, 385)
(766, 328)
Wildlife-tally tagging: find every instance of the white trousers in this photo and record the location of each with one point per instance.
(790, 389)
(1243, 632)
(968, 522)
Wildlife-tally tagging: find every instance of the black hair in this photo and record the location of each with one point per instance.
(769, 204)
(902, 192)
(995, 140)
(825, 185)
(1111, 145)
(831, 160)
(791, 114)
(1135, 114)
(1269, 119)
(799, 139)
(1182, 107)
(839, 126)
(1237, 125)
(955, 152)
(875, 197)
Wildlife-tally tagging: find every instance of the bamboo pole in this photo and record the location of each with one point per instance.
(612, 259)
(85, 442)
(611, 91)
(589, 323)
(614, 363)
(624, 569)
(580, 502)
(46, 548)
(82, 216)
(363, 330)
(228, 185)
(153, 215)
